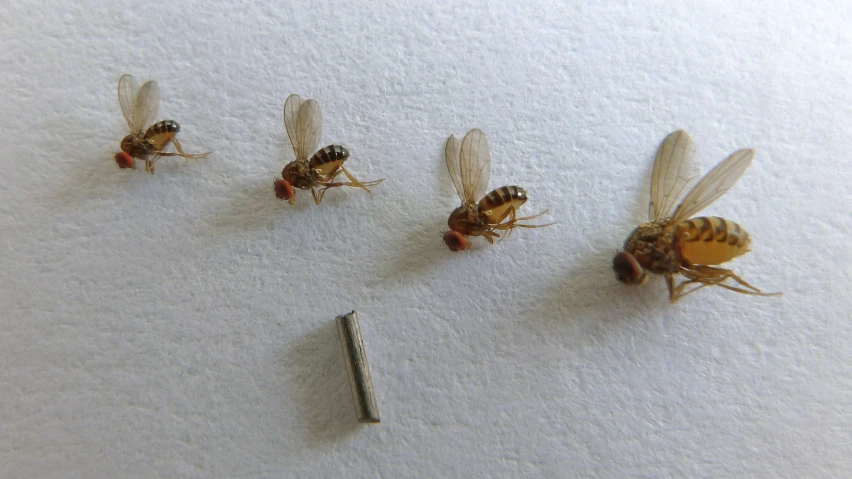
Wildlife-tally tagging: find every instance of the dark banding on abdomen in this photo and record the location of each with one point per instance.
(165, 126)
(503, 195)
(500, 203)
(711, 240)
(329, 154)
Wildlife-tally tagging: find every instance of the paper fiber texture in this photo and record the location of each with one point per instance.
(181, 324)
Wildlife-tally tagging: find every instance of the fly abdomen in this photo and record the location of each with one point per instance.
(711, 240)
(329, 156)
(162, 127)
(497, 204)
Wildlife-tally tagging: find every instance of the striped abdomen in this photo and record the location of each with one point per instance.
(710, 240)
(161, 132)
(500, 202)
(328, 158)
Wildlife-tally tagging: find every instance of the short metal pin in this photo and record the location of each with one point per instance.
(356, 364)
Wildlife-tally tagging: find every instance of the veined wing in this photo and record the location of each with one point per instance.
(475, 165)
(715, 184)
(127, 99)
(303, 120)
(451, 155)
(674, 169)
(147, 103)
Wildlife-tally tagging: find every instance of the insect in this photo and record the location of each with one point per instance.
(139, 110)
(303, 121)
(480, 214)
(672, 242)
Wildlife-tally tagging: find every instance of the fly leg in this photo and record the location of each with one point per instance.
(187, 156)
(490, 235)
(323, 187)
(353, 182)
(149, 162)
(671, 286)
(512, 215)
(712, 276)
(320, 192)
(515, 222)
(326, 183)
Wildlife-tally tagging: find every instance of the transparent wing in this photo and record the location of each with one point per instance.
(303, 120)
(451, 154)
(291, 114)
(147, 103)
(675, 169)
(715, 184)
(308, 128)
(475, 165)
(127, 99)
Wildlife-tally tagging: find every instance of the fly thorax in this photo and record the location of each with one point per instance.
(467, 220)
(136, 146)
(298, 175)
(652, 247)
(644, 233)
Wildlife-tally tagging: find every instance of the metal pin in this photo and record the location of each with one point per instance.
(359, 372)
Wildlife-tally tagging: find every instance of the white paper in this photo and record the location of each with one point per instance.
(181, 324)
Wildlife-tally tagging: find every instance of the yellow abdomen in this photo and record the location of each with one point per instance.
(497, 205)
(710, 240)
(161, 133)
(329, 158)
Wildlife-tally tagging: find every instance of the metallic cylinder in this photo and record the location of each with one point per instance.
(356, 364)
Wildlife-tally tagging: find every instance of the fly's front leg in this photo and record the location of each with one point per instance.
(674, 294)
(323, 187)
(317, 195)
(678, 291)
(149, 162)
(490, 235)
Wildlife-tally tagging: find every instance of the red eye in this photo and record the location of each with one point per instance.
(124, 160)
(283, 190)
(455, 240)
(627, 269)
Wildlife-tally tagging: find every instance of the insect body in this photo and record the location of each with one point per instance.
(303, 121)
(470, 168)
(140, 107)
(673, 243)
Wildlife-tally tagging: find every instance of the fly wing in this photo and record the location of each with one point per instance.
(127, 99)
(451, 155)
(475, 165)
(291, 114)
(147, 103)
(308, 128)
(674, 169)
(715, 184)
(303, 120)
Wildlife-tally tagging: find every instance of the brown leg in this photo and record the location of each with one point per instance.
(712, 276)
(673, 296)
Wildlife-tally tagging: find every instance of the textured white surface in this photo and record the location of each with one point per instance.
(181, 324)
